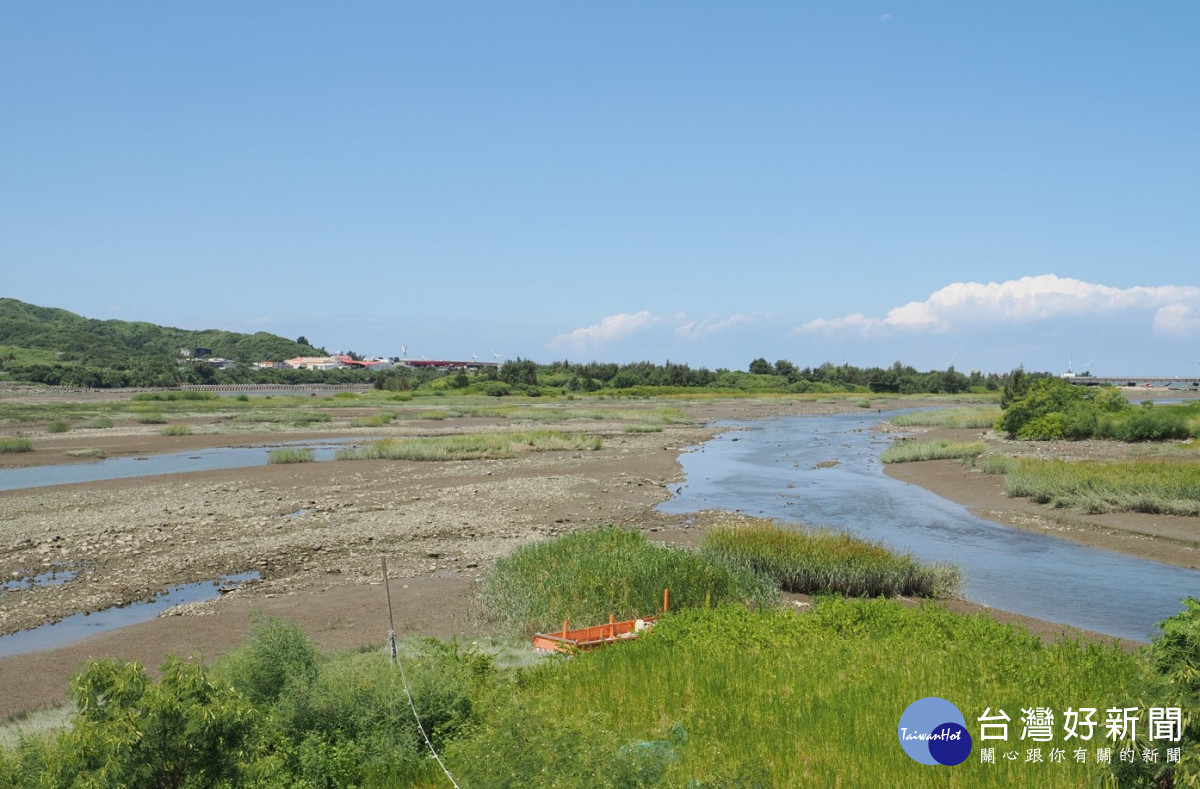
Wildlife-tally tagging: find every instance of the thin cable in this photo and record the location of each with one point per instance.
(417, 717)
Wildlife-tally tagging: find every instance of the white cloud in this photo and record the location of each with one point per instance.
(1176, 308)
(614, 327)
(885, 18)
(694, 330)
(1177, 320)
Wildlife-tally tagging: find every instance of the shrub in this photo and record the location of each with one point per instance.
(278, 655)
(150, 419)
(58, 426)
(176, 430)
(497, 389)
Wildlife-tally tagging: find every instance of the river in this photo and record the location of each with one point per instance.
(780, 468)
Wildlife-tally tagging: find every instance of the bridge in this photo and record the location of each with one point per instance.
(1138, 381)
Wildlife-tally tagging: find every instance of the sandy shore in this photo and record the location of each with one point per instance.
(438, 524)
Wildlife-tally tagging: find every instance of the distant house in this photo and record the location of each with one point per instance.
(314, 363)
(220, 364)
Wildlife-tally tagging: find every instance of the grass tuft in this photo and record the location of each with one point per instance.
(290, 455)
(88, 452)
(9, 446)
(907, 451)
(587, 576)
(826, 561)
(176, 430)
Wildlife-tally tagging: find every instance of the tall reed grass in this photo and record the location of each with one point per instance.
(826, 561)
(1162, 486)
(585, 577)
(939, 449)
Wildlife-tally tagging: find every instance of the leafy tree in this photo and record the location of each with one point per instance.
(761, 366)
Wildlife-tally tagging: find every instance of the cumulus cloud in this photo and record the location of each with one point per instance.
(614, 327)
(1175, 308)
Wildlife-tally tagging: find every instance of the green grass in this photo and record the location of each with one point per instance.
(471, 446)
(150, 418)
(907, 450)
(375, 420)
(1160, 486)
(642, 429)
(176, 430)
(977, 418)
(766, 698)
(290, 455)
(585, 577)
(825, 561)
(10, 446)
(96, 423)
(58, 426)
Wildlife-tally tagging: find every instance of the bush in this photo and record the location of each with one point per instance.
(497, 389)
(176, 430)
(57, 426)
(279, 655)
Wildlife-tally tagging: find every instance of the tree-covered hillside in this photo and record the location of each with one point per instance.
(112, 343)
(49, 345)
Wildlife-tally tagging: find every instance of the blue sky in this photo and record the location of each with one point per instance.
(935, 182)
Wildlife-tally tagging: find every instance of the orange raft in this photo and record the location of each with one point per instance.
(581, 639)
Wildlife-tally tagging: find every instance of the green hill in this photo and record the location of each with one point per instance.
(33, 337)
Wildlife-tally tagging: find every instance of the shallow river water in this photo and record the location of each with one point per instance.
(770, 469)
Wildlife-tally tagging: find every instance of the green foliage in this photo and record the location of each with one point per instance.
(278, 657)
(1052, 408)
(14, 445)
(58, 426)
(176, 430)
(497, 389)
(185, 730)
(96, 423)
(825, 561)
(586, 576)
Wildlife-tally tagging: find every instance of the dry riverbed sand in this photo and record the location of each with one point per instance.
(316, 533)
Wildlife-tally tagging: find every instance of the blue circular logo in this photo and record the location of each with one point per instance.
(933, 731)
